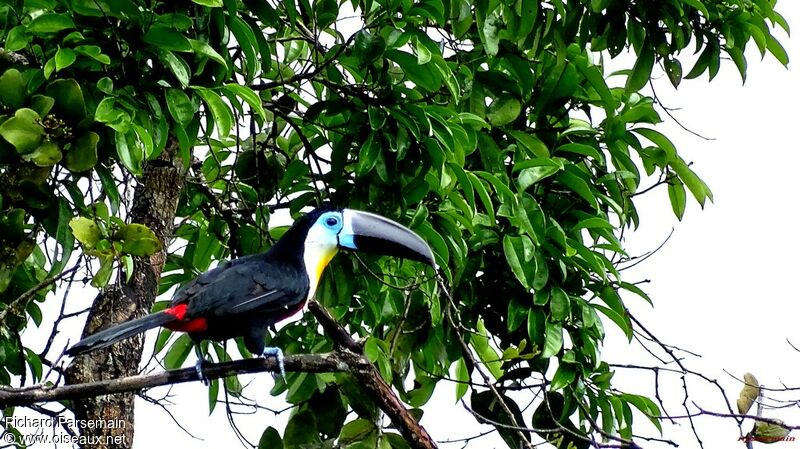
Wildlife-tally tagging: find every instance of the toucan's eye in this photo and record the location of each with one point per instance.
(331, 222)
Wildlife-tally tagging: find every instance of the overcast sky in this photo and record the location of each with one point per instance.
(724, 285)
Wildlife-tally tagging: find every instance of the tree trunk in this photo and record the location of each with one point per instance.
(109, 418)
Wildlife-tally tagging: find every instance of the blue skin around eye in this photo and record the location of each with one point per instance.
(346, 241)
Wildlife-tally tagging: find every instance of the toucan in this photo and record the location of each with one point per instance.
(245, 296)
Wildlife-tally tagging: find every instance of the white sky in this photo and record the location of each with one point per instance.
(723, 285)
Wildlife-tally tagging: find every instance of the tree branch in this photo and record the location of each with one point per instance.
(373, 384)
(310, 363)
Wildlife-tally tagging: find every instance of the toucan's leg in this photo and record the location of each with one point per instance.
(201, 359)
(278, 354)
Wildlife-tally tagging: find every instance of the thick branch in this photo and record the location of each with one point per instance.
(338, 334)
(373, 384)
(310, 363)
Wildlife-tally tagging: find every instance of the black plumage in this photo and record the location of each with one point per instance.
(250, 293)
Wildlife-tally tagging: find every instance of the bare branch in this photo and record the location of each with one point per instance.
(310, 363)
(524, 440)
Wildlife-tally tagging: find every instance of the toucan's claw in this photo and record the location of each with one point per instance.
(200, 375)
(278, 355)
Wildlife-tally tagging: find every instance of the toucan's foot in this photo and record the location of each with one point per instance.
(278, 355)
(200, 375)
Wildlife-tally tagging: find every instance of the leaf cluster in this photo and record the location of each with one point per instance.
(490, 127)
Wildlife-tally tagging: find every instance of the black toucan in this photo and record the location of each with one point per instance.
(245, 296)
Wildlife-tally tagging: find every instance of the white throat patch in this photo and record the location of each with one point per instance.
(320, 247)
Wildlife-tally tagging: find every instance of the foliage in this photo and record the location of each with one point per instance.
(490, 126)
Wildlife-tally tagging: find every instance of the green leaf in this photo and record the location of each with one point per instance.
(103, 275)
(532, 171)
(141, 247)
(701, 64)
(505, 194)
(425, 76)
(17, 38)
(178, 352)
(777, 50)
(531, 142)
(46, 155)
(355, 431)
(86, 231)
(578, 185)
(699, 189)
(69, 101)
(519, 253)
(674, 70)
(327, 12)
(209, 3)
(64, 237)
(770, 432)
(247, 42)
(23, 131)
(541, 273)
(640, 74)
(130, 155)
(376, 352)
(42, 104)
(622, 321)
(202, 48)
(128, 267)
(504, 110)
(677, 197)
(660, 140)
(593, 74)
(109, 187)
(270, 439)
(180, 107)
(12, 89)
(698, 5)
(93, 52)
(462, 378)
(249, 96)
(490, 358)
(559, 304)
(423, 54)
(64, 58)
(490, 33)
(738, 58)
(177, 66)
(33, 359)
(553, 339)
(487, 404)
(50, 23)
(117, 119)
(368, 154)
(646, 406)
(166, 38)
(483, 194)
(564, 375)
(223, 117)
(301, 431)
(83, 154)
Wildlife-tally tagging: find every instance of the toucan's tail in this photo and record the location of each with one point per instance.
(124, 330)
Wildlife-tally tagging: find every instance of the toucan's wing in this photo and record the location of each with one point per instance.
(240, 286)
